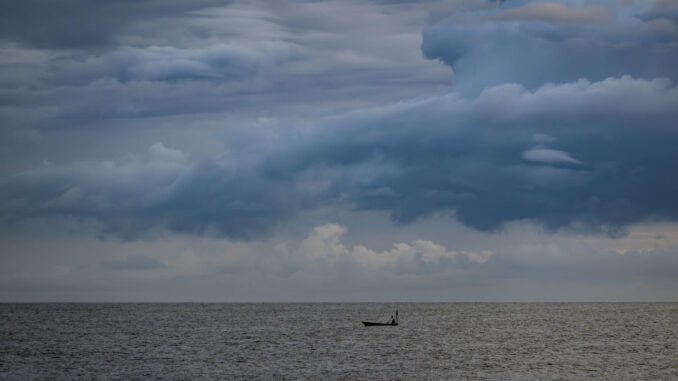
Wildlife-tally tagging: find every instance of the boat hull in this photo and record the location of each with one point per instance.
(372, 324)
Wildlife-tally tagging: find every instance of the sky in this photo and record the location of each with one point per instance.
(361, 150)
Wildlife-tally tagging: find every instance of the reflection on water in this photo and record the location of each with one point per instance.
(328, 341)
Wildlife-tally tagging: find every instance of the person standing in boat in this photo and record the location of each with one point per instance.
(392, 320)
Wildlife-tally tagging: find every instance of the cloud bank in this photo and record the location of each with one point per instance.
(561, 114)
(610, 162)
(325, 264)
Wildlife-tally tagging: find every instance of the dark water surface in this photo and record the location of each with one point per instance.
(327, 341)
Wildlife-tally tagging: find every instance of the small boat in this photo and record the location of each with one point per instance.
(391, 323)
(372, 323)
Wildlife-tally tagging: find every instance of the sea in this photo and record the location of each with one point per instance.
(327, 341)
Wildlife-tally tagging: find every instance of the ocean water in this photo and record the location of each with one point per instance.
(500, 341)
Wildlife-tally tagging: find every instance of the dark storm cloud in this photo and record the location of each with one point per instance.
(590, 155)
(167, 58)
(77, 24)
(142, 82)
(133, 196)
(524, 138)
(549, 42)
(219, 62)
(610, 159)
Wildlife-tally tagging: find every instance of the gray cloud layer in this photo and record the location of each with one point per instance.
(539, 42)
(75, 24)
(560, 117)
(454, 153)
(610, 162)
